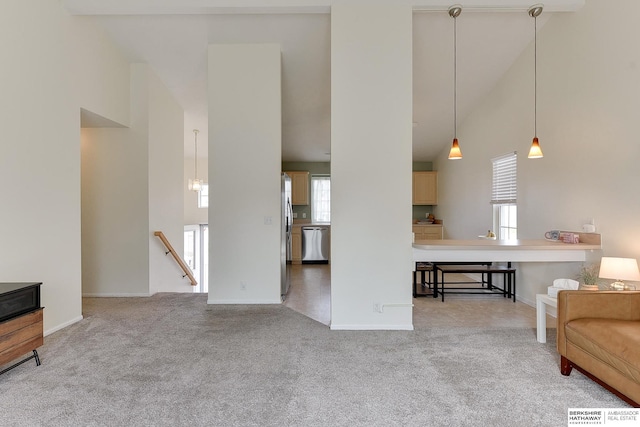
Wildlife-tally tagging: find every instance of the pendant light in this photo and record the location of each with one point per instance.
(455, 153)
(195, 184)
(535, 152)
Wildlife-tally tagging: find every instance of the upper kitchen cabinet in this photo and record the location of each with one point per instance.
(299, 187)
(425, 188)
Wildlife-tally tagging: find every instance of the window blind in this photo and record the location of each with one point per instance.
(504, 187)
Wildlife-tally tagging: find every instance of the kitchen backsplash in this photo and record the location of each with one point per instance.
(302, 212)
(421, 211)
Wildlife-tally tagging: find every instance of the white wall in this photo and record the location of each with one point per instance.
(115, 224)
(244, 175)
(131, 187)
(53, 65)
(371, 125)
(588, 106)
(166, 163)
(96, 59)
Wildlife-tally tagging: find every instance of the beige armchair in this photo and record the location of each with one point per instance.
(599, 335)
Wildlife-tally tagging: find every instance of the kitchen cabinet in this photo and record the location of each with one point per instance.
(427, 232)
(425, 188)
(299, 187)
(296, 245)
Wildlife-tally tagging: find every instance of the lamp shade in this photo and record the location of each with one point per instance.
(455, 153)
(619, 269)
(535, 152)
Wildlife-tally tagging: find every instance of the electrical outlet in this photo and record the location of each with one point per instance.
(377, 308)
(268, 220)
(243, 286)
(304, 214)
(295, 215)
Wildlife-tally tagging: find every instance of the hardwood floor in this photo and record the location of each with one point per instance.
(310, 294)
(310, 291)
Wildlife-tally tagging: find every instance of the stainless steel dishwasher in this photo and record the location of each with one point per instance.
(315, 244)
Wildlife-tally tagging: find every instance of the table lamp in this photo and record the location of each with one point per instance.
(619, 269)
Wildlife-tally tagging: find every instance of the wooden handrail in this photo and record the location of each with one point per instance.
(181, 263)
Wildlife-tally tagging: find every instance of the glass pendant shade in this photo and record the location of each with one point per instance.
(195, 184)
(455, 153)
(535, 152)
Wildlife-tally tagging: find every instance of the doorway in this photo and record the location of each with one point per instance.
(310, 276)
(196, 254)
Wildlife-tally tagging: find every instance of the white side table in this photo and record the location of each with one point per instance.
(542, 301)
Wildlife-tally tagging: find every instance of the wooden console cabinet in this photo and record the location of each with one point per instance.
(20, 322)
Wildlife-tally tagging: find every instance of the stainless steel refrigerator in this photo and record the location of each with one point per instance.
(286, 222)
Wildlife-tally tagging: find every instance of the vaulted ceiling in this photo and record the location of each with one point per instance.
(172, 37)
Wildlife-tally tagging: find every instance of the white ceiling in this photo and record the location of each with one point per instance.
(175, 46)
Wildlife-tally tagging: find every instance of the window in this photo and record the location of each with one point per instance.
(203, 196)
(503, 196)
(506, 218)
(320, 198)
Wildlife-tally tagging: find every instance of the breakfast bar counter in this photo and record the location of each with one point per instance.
(484, 250)
(463, 256)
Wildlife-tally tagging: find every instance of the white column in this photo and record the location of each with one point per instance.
(244, 173)
(371, 126)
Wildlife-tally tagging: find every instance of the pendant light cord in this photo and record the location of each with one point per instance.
(455, 78)
(195, 160)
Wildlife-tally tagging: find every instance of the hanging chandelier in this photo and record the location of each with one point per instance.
(195, 184)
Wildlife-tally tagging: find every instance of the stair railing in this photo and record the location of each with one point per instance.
(181, 263)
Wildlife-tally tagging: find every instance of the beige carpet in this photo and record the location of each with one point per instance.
(172, 360)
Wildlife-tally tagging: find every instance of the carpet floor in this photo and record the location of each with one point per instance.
(173, 360)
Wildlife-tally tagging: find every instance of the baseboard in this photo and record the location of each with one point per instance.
(114, 295)
(63, 325)
(408, 327)
(526, 301)
(243, 301)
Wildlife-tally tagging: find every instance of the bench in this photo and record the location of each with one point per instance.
(486, 269)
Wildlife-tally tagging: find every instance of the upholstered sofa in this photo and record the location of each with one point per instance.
(599, 335)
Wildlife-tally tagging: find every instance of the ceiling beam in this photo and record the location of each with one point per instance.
(203, 7)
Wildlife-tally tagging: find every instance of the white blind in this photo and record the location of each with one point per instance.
(504, 187)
